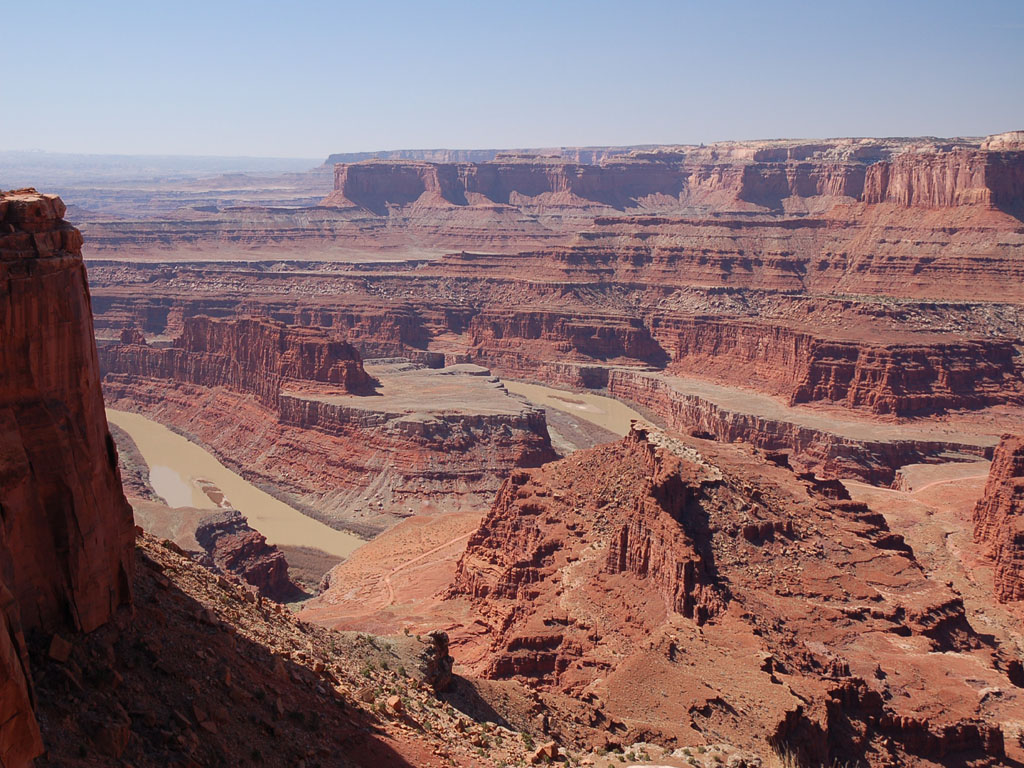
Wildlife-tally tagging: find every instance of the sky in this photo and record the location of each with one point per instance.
(305, 79)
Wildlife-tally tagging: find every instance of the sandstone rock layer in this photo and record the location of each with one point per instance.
(999, 518)
(680, 590)
(67, 532)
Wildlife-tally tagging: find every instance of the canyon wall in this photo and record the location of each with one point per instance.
(898, 378)
(827, 447)
(247, 355)
(763, 175)
(296, 412)
(999, 518)
(946, 180)
(521, 317)
(781, 266)
(66, 531)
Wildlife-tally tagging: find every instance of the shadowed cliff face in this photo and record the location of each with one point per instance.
(999, 518)
(232, 546)
(66, 531)
(249, 355)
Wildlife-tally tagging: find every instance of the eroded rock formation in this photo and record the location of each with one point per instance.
(783, 267)
(681, 588)
(999, 518)
(947, 179)
(769, 174)
(232, 546)
(66, 531)
(831, 447)
(250, 356)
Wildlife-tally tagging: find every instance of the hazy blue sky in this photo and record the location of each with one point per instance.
(303, 79)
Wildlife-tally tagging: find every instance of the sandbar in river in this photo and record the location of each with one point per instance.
(177, 463)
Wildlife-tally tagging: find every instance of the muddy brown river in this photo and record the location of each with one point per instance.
(604, 411)
(176, 466)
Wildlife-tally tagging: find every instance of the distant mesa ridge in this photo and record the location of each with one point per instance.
(921, 172)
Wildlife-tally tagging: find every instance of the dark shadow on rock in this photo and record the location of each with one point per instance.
(169, 683)
(463, 695)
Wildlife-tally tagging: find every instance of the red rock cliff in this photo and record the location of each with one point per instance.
(929, 176)
(999, 518)
(617, 183)
(247, 355)
(66, 531)
(660, 564)
(376, 184)
(947, 179)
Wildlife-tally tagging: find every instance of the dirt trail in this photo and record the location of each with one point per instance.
(407, 563)
(950, 480)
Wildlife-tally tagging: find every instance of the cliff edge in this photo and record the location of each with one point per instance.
(66, 531)
(999, 518)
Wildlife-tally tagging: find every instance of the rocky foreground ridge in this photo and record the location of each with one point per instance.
(675, 591)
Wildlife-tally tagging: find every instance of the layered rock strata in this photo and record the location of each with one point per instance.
(765, 601)
(438, 436)
(999, 518)
(900, 361)
(946, 180)
(428, 202)
(778, 268)
(250, 356)
(767, 175)
(829, 446)
(232, 546)
(66, 531)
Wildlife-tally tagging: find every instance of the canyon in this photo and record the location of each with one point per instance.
(836, 298)
(679, 447)
(292, 409)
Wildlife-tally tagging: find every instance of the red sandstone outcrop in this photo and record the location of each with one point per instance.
(234, 547)
(999, 518)
(898, 378)
(67, 532)
(682, 588)
(930, 175)
(947, 179)
(817, 443)
(247, 355)
(203, 674)
(376, 185)
(518, 341)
